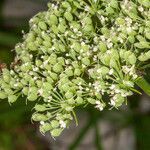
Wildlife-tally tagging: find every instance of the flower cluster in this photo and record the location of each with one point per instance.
(77, 53)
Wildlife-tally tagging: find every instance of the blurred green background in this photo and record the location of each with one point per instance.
(18, 133)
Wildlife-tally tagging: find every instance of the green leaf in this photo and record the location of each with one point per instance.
(144, 85)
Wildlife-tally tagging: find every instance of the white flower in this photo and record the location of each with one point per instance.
(42, 122)
(62, 124)
(140, 8)
(112, 102)
(112, 87)
(99, 105)
(40, 91)
(111, 72)
(109, 45)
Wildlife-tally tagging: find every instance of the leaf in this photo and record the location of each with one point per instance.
(144, 85)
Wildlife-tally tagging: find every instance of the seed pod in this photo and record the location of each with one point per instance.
(47, 86)
(145, 3)
(87, 20)
(47, 44)
(88, 28)
(32, 94)
(102, 47)
(120, 21)
(91, 100)
(53, 59)
(68, 108)
(49, 115)
(50, 80)
(132, 59)
(119, 101)
(104, 70)
(45, 127)
(53, 75)
(6, 78)
(131, 39)
(105, 59)
(54, 124)
(62, 28)
(56, 132)
(76, 4)
(79, 100)
(65, 5)
(25, 91)
(105, 31)
(39, 117)
(69, 72)
(86, 61)
(26, 67)
(68, 16)
(145, 56)
(75, 64)
(53, 20)
(57, 68)
(31, 46)
(12, 98)
(113, 63)
(77, 46)
(142, 45)
(40, 108)
(42, 25)
(62, 48)
(77, 72)
(3, 95)
(61, 60)
(114, 4)
(68, 95)
(71, 101)
(54, 29)
(110, 10)
(98, 95)
(147, 35)
(65, 87)
(32, 97)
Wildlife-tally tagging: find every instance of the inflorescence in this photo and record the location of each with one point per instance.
(79, 52)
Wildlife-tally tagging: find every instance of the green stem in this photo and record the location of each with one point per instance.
(98, 142)
(81, 135)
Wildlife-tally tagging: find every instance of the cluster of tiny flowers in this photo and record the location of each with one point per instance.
(79, 52)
